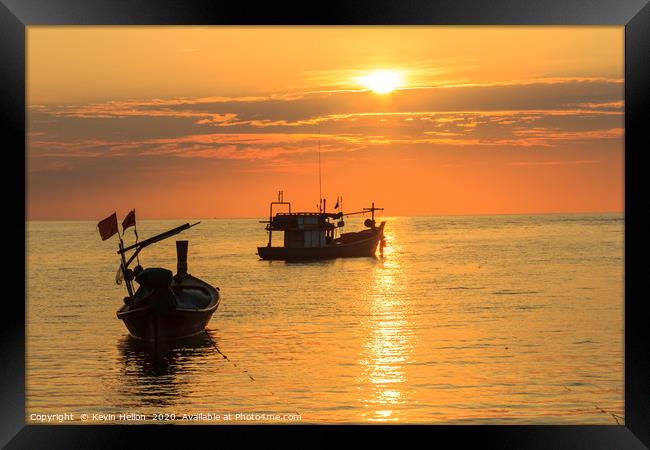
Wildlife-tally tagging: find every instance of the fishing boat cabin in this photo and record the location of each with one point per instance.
(317, 235)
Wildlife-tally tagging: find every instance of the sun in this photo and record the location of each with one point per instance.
(381, 81)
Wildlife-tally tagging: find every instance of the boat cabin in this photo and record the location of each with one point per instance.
(305, 230)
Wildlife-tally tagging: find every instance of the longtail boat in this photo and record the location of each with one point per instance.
(317, 235)
(164, 306)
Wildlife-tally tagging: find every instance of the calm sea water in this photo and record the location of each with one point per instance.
(491, 319)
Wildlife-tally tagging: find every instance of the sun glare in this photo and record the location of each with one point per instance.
(382, 81)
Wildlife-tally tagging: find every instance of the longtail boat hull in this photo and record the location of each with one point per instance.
(184, 320)
(175, 325)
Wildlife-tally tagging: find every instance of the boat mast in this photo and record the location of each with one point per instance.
(129, 286)
(371, 210)
(320, 178)
(270, 221)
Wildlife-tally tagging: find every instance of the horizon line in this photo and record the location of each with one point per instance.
(394, 215)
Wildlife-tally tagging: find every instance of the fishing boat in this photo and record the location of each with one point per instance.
(317, 235)
(164, 306)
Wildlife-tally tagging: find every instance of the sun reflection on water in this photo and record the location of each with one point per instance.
(389, 344)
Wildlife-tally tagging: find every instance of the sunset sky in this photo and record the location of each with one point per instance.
(201, 122)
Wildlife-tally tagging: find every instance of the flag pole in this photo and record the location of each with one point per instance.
(126, 280)
(135, 231)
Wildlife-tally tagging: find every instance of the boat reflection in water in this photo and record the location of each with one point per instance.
(162, 359)
(157, 375)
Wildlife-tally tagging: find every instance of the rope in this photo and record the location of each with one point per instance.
(245, 372)
(394, 249)
(615, 416)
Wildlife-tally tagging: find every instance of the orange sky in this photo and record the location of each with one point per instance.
(182, 122)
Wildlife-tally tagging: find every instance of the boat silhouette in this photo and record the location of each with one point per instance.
(164, 306)
(313, 235)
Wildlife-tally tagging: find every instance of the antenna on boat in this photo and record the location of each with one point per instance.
(320, 178)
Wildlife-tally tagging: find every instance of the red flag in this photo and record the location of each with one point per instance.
(129, 220)
(108, 226)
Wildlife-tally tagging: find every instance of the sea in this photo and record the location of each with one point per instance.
(504, 319)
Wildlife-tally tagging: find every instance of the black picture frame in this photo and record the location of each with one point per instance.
(16, 15)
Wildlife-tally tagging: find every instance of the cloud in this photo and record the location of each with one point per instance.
(553, 163)
(521, 114)
(550, 94)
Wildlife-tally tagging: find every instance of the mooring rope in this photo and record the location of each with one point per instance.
(604, 411)
(394, 249)
(245, 372)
